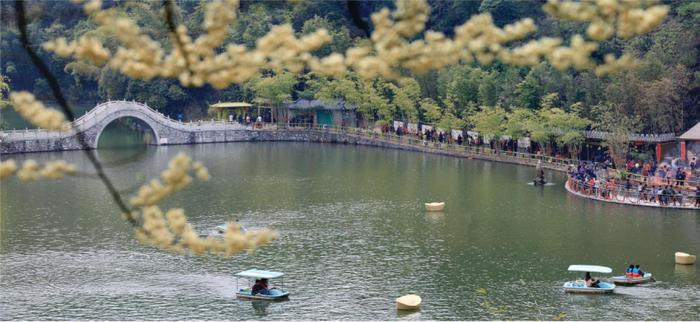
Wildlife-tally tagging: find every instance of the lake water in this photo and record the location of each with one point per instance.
(353, 236)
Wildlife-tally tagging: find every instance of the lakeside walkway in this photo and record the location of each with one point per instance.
(168, 132)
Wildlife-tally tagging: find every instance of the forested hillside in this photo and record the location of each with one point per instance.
(663, 92)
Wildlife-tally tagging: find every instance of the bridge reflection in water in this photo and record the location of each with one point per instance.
(126, 133)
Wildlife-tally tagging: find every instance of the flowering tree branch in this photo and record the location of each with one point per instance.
(65, 107)
(167, 230)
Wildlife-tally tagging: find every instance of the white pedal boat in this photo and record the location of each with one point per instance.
(579, 286)
(272, 294)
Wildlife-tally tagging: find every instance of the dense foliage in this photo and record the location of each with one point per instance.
(663, 93)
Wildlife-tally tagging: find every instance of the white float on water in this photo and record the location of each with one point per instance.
(434, 206)
(408, 302)
(685, 258)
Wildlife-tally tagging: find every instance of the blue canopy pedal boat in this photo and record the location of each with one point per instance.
(579, 286)
(270, 294)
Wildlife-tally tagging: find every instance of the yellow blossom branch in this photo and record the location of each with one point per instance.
(31, 170)
(199, 62)
(36, 113)
(177, 235)
(171, 231)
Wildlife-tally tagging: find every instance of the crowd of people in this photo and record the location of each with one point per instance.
(463, 138)
(654, 188)
(670, 173)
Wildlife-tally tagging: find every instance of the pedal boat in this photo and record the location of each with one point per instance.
(624, 280)
(275, 294)
(434, 206)
(579, 286)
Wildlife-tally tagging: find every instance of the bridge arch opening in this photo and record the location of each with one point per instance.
(126, 132)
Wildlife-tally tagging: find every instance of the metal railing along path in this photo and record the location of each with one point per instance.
(681, 199)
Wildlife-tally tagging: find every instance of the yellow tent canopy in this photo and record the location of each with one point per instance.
(223, 105)
(218, 108)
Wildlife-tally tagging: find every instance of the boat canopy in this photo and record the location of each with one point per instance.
(590, 268)
(256, 273)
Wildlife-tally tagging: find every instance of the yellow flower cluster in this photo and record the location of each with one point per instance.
(174, 178)
(530, 53)
(57, 169)
(85, 48)
(578, 55)
(7, 168)
(139, 54)
(197, 62)
(36, 113)
(628, 17)
(613, 65)
(200, 171)
(31, 170)
(172, 232)
(478, 37)
(201, 61)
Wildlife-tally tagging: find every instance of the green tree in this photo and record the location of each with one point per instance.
(516, 125)
(275, 90)
(340, 34)
(450, 121)
(406, 94)
(488, 90)
(462, 88)
(430, 110)
(111, 85)
(568, 128)
(490, 122)
(619, 126)
(4, 91)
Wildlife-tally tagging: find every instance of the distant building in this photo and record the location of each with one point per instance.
(658, 145)
(690, 143)
(317, 112)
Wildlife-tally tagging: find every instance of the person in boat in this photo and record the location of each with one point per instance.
(590, 281)
(628, 271)
(540, 174)
(640, 272)
(634, 272)
(260, 287)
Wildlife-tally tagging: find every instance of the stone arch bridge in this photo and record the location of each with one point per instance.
(164, 130)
